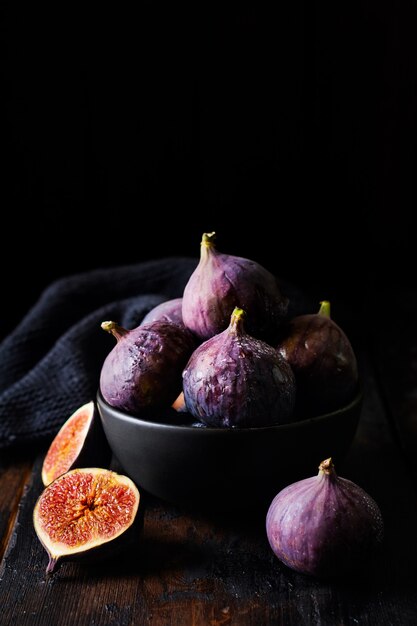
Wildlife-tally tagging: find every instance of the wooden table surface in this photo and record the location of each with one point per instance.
(192, 569)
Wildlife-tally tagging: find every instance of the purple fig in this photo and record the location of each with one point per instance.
(322, 360)
(143, 371)
(325, 525)
(170, 311)
(235, 380)
(222, 282)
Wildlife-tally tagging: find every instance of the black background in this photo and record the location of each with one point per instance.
(127, 132)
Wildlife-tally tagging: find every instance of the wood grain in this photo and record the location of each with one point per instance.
(14, 473)
(192, 568)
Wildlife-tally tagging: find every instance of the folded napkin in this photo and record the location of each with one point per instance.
(50, 364)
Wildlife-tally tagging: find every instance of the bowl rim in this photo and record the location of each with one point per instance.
(132, 419)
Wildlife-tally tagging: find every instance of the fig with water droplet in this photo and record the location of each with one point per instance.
(323, 361)
(235, 380)
(88, 512)
(143, 371)
(80, 442)
(170, 311)
(325, 525)
(222, 282)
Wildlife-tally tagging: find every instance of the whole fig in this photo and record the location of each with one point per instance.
(325, 525)
(143, 371)
(170, 311)
(222, 282)
(235, 380)
(322, 360)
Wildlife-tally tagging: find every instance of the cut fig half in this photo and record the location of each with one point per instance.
(85, 512)
(80, 442)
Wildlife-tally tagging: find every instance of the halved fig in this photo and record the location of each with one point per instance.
(84, 511)
(80, 442)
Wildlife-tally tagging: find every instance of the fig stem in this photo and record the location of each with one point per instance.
(114, 329)
(208, 239)
(236, 321)
(327, 467)
(51, 566)
(324, 308)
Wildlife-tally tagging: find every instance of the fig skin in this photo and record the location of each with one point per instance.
(143, 371)
(170, 311)
(323, 362)
(222, 282)
(324, 526)
(235, 380)
(87, 514)
(80, 442)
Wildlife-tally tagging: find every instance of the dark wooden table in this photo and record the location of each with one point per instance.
(192, 569)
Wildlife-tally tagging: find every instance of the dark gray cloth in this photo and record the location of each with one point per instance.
(50, 364)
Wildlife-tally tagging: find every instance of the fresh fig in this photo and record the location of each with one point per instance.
(222, 282)
(80, 442)
(82, 512)
(325, 525)
(170, 311)
(235, 380)
(179, 403)
(322, 360)
(143, 371)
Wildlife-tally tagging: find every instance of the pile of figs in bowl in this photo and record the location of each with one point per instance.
(220, 398)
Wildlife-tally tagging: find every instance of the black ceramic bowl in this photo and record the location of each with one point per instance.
(225, 469)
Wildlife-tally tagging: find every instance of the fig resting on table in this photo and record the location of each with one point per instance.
(325, 525)
(87, 512)
(80, 442)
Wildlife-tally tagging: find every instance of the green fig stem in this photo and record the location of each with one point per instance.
(208, 240)
(327, 467)
(324, 308)
(237, 319)
(114, 329)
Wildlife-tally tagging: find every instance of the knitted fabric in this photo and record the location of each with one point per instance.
(50, 364)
